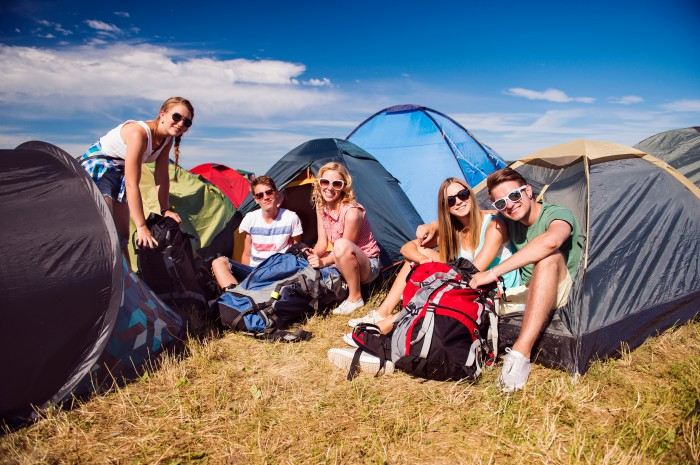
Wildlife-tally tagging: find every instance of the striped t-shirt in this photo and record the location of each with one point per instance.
(272, 238)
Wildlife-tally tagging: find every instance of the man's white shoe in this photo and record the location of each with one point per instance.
(515, 371)
(372, 317)
(342, 358)
(347, 307)
(347, 338)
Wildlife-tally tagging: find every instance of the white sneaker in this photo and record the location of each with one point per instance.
(347, 338)
(372, 317)
(342, 358)
(515, 371)
(347, 307)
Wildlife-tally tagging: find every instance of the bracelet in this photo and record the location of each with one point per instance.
(493, 275)
(162, 211)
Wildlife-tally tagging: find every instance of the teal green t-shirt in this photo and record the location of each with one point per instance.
(520, 235)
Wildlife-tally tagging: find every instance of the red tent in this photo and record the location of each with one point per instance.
(234, 185)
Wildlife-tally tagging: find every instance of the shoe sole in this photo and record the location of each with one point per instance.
(343, 361)
(347, 338)
(510, 387)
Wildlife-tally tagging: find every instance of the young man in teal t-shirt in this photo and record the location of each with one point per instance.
(548, 249)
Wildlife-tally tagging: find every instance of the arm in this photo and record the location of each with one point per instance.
(296, 239)
(496, 236)
(135, 138)
(540, 247)
(321, 247)
(427, 234)
(353, 223)
(416, 253)
(247, 247)
(162, 179)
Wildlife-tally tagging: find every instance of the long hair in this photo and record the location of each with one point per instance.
(167, 105)
(450, 230)
(346, 194)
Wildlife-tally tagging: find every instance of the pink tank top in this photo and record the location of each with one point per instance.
(334, 225)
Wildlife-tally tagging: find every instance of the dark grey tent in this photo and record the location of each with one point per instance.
(640, 270)
(72, 316)
(389, 212)
(680, 148)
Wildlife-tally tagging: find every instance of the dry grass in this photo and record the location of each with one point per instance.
(235, 400)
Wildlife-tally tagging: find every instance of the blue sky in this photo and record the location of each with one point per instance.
(267, 76)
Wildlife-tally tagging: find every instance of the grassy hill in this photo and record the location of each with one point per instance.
(231, 399)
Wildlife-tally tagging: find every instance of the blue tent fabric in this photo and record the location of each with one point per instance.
(421, 147)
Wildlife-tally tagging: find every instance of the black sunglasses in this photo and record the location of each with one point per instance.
(462, 195)
(260, 195)
(177, 117)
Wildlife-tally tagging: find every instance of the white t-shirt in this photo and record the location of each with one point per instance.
(272, 238)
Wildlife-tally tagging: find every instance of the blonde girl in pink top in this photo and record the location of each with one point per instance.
(342, 223)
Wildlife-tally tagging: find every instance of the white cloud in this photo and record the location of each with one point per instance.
(102, 26)
(626, 100)
(325, 82)
(683, 105)
(550, 95)
(123, 14)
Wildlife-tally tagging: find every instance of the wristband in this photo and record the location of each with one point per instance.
(162, 211)
(493, 275)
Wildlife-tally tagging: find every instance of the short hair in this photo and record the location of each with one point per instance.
(504, 175)
(265, 180)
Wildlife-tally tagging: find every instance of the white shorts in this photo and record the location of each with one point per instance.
(517, 297)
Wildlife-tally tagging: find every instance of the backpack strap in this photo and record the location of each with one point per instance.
(359, 334)
(278, 335)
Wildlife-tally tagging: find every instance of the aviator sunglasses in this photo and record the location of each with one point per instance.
(336, 184)
(260, 195)
(462, 195)
(514, 196)
(177, 117)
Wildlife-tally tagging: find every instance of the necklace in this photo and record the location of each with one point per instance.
(156, 141)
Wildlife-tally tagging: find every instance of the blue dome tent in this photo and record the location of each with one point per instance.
(420, 147)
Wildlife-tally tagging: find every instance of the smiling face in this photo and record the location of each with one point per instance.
(516, 211)
(461, 207)
(172, 127)
(265, 196)
(328, 192)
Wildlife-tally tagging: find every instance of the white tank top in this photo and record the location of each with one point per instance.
(113, 145)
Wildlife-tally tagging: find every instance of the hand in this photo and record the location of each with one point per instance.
(313, 259)
(144, 238)
(173, 215)
(481, 279)
(426, 232)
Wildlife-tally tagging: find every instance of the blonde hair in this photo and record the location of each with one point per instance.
(347, 194)
(167, 105)
(450, 230)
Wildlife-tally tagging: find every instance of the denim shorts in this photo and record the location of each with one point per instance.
(374, 270)
(110, 183)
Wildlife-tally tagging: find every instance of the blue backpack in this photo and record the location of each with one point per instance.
(281, 291)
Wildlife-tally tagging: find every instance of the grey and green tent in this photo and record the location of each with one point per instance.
(639, 273)
(680, 148)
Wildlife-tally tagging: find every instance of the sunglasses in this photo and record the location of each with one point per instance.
(177, 117)
(514, 196)
(462, 195)
(260, 195)
(336, 184)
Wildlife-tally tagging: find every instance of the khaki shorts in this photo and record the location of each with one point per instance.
(517, 297)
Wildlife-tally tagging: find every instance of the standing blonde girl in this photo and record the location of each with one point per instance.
(114, 162)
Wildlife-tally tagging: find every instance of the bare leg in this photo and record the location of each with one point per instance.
(222, 273)
(353, 264)
(393, 298)
(120, 214)
(548, 273)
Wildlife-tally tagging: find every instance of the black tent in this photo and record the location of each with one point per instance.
(389, 212)
(72, 316)
(640, 270)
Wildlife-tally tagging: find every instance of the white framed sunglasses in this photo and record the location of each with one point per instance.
(336, 184)
(515, 196)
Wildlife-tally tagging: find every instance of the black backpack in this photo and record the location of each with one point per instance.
(442, 330)
(281, 291)
(169, 269)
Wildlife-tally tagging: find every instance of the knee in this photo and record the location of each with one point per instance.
(219, 263)
(551, 264)
(342, 248)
